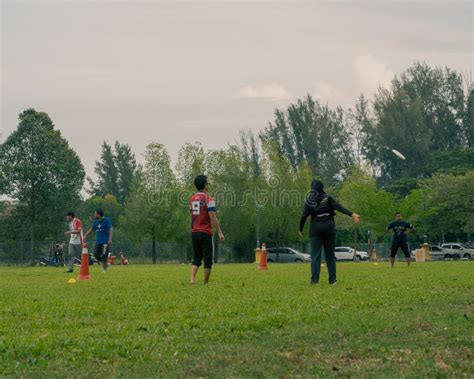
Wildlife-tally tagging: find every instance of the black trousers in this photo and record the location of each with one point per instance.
(317, 242)
(402, 245)
(202, 249)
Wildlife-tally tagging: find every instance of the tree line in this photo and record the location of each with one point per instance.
(260, 182)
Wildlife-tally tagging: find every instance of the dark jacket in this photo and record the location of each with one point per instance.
(321, 208)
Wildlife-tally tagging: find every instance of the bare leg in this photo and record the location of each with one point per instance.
(408, 261)
(194, 270)
(207, 274)
(105, 258)
(392, 262)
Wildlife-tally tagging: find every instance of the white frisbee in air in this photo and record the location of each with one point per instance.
(398, 154)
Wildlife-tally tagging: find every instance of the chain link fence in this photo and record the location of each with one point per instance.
(20, 252)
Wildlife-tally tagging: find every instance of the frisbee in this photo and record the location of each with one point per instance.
(398, 154)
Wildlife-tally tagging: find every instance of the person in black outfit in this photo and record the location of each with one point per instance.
(400, 231)
(322, 232)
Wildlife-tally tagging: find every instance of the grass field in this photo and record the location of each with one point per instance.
(147, 321)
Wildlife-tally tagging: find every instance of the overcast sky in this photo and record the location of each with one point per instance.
(175, 72)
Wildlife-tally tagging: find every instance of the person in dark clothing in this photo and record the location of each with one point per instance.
(400, 231)
(322, 232)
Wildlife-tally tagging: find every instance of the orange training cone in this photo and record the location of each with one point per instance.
(84, 273)
(263, 258)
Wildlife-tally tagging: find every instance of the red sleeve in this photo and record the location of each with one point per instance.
(77, 224)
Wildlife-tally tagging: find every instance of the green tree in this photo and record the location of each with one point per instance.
(232, 187)
(116, 171)
(282, 197)
(311, 132)
(468, 122)
(456, 161)
(153, 210)
(376, 207)
(190, 163)
(450, 204)
(421, 113)
(109, 204)
(41, 172)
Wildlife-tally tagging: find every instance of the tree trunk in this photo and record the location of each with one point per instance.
(153, 247)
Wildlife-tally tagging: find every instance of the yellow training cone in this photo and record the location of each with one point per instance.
(376, 264)
(71, 281)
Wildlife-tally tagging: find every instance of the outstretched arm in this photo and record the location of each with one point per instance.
(338, 207)
(89, 231)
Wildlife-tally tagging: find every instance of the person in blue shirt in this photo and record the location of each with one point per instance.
(104, 231)
(400, 229)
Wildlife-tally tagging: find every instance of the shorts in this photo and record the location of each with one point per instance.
(202, 249)
(399, 244)
(101, 253)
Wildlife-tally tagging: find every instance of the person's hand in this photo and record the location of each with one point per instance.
(109, 243)
(67, 233)
(300, 233)
(221, 236)
(355, 218)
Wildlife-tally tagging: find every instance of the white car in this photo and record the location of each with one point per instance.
(345, 253)
(458, 249)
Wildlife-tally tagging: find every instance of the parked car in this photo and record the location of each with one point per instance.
(345, 253)
(286, 255)
(458, 249)
(437, 252)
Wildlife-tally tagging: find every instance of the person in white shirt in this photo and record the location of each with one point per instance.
(75, 242)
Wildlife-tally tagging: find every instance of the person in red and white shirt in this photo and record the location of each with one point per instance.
(75, 242)
(203, 219)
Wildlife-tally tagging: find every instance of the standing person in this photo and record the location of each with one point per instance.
(203, 218)
(104, 231)
(322, 232)
(400, 229)
(75, 241)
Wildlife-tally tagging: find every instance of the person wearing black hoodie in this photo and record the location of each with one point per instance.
(322, 232)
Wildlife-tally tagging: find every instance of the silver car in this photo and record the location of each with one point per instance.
(286, 255)
(437, 252)
(458, 249)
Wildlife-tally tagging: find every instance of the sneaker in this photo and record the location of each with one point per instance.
(314, 283)
(104, 271)
(333, 283)
(69, 271)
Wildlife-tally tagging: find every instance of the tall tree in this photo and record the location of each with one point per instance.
(116, 171)
(468, 121)
(190, 162)
(309, 131)
(41, 171)
(360, 194)
(421, 113)
(282, 196)
(127, 170)
(153, 208)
